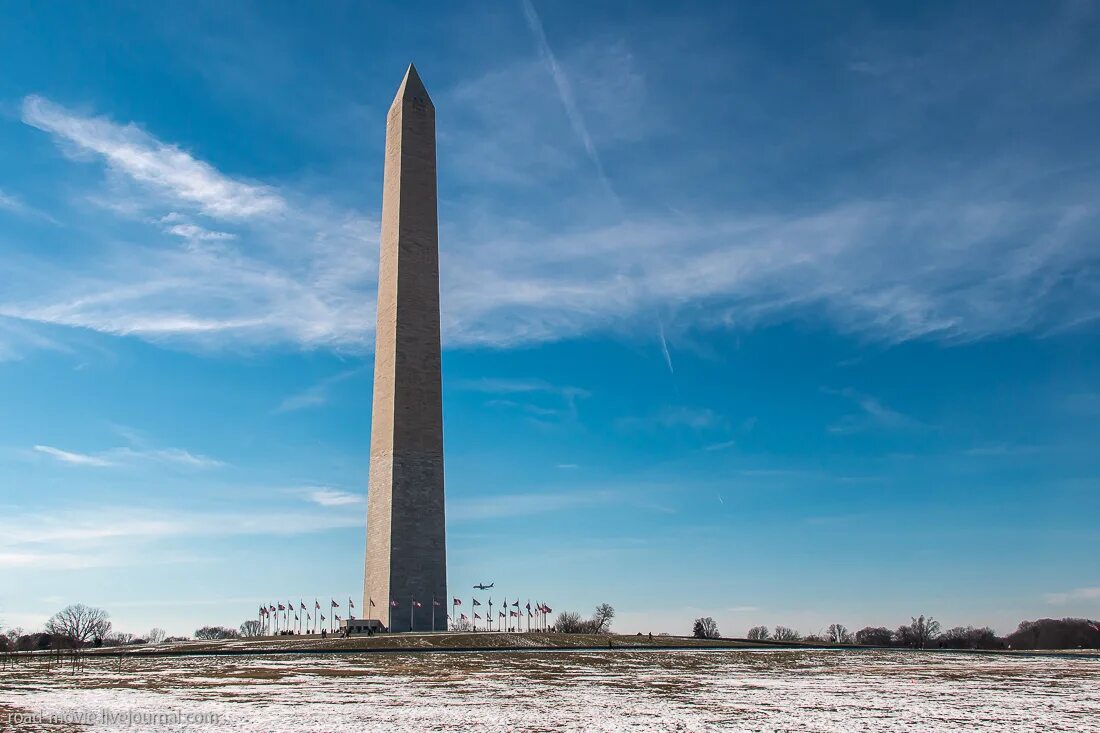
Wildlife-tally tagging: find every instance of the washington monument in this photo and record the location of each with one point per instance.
(406, 566)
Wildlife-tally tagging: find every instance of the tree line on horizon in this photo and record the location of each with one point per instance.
(78, 626)
(925, 632)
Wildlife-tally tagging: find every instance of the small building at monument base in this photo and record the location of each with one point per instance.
(354, 626)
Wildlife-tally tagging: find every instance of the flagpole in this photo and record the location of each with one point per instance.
(410, 612)
(433, 613)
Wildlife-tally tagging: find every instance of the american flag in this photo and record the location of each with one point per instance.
(476, 616)
(335, 604)
(371, 600)
(393, 603)
(417, 604)
(477, 602)
(458, 601)
(351, 603)
(282, 607)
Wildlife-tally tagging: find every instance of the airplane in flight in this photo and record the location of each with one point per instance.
(482, 586)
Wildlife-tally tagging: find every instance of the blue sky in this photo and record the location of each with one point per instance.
(778, 314)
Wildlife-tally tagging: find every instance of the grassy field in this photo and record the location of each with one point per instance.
(735, 689)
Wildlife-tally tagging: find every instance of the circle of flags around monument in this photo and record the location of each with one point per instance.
(289, 618)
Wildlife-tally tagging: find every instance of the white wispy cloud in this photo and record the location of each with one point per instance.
(16, 205)
(134, 152)
(315, 395)
(517, 505)
(1077, 594)
(955, 264)
(333, 497)
(78, 459)
(721, 445)
(678, 416)
(512, 386)
(123, 526)
(177, 456)
(293, 270)
(873, 415)
(568, 395)
(125, 455)
(193, 231)
(53, 561)
(120, 536)
(10, 203)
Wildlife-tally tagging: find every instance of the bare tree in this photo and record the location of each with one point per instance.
(252, 627)
(782, 633)
(119, 638)
(208, 633)
(904, 636)
(705, 628)
(601, 619)
(874, 636)
(839, 634)
(1049, 633)
(969, 637)
(570, 622)
(924, 630)
(759, 633)
(79, 623)
(156, 636)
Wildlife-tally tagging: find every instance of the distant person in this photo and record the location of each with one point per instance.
(323, 633)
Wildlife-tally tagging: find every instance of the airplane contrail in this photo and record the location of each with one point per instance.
(565, 92)
(664, 346)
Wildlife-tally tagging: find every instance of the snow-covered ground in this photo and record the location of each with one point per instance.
(772, 690)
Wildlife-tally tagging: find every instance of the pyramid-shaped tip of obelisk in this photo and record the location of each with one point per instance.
(412, 88)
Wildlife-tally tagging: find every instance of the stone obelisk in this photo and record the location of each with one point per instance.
(406, 560)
